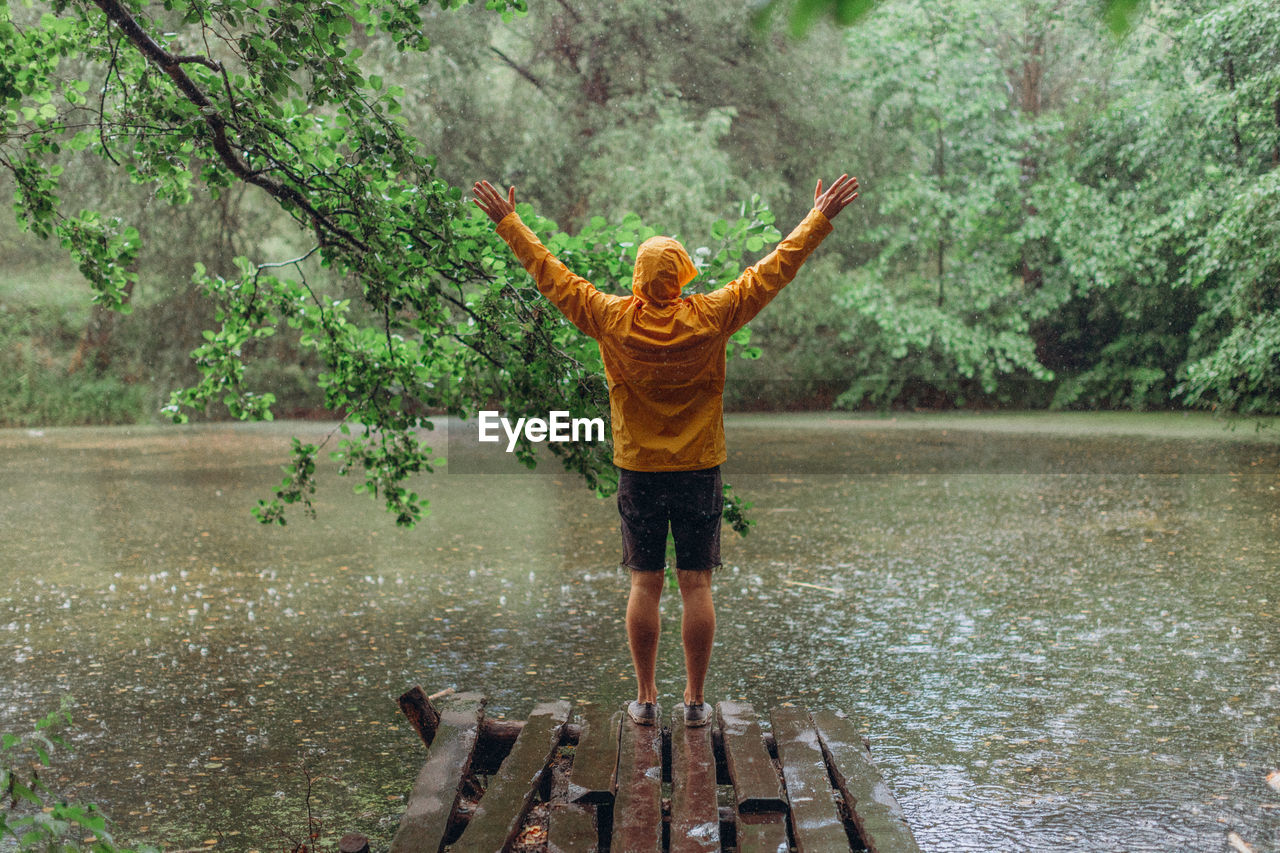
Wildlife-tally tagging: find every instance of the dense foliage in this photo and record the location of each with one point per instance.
(1039, 240)
(1051, 217)
(279, 101)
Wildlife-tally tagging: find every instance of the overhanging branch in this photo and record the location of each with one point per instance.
(171, 65)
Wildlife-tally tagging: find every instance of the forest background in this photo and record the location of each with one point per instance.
(1052, 216)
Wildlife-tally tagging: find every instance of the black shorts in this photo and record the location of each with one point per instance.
(690, 501)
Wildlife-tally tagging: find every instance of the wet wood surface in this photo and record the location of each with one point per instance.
(637, 811)
(764, 832)
(511, 790)
(875, 811)
(756, 786)
(493, 741)
(571, 828)
(695, 816)
(353, 842)
(439, 783)
(815, 822)
(416, 706)
(593, 778)
(808, 786)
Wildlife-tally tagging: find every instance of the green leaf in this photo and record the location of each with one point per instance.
(1120, 14)
(805, 14)
(849, 12)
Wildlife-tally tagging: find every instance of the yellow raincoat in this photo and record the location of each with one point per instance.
(664, 355)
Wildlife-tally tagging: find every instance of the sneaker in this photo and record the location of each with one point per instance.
(643, 713)
(697, 714)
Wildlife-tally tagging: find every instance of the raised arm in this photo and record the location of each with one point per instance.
(576, 297)
(743, 298)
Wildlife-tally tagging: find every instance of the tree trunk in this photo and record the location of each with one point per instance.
(1275, 151)
(1030, 102)
(1235, 115)
(942, 240)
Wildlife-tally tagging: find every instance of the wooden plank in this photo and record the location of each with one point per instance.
(755, 781)
(815, 822)
(439, 783)
(876, 813)
(593, 776)
(416, 706)
(511, 790)
(763, 832)
(637, 813)
(494, 740)
(695, 815)
(571, 828)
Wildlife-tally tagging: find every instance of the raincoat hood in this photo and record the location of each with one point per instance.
(663, 268)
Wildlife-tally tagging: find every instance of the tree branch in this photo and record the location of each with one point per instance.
(199, 60)
(172, 66)
(102, 102)
(519, 69)
(573, 13)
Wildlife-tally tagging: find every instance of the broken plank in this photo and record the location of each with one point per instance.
(493, 741)
(510, 794)
(755, 781)
(875, 812)
(571, 828)
(439, 783)
(815, 822)
(765, 832)
(695, 815)
(637, 814)
(593, 776)
(422, 715)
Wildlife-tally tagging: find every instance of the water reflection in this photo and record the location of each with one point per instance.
(1054, 642)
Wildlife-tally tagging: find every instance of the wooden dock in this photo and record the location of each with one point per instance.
(592, 780)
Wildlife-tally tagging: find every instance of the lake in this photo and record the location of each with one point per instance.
(1059, 632)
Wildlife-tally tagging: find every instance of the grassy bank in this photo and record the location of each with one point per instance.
(63, 363)
(44, 311)
(1189, 425)
(41, 383)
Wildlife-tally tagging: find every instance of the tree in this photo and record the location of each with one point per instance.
(967, 100)
(1237, 48)
(801, 15)
(1170, 251)
(675, 108)
(1036, 237)
(192, 96)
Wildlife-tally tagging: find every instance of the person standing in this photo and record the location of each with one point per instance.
(664, 361)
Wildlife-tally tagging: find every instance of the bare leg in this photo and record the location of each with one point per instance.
(643, 626)
(697, 630)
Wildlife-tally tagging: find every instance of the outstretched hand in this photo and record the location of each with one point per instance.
(834, 200)
(491, 201)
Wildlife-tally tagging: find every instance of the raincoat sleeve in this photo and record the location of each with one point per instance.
(576, 297)
(740, 300)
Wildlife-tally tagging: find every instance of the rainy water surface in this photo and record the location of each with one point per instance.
(1057, 633)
